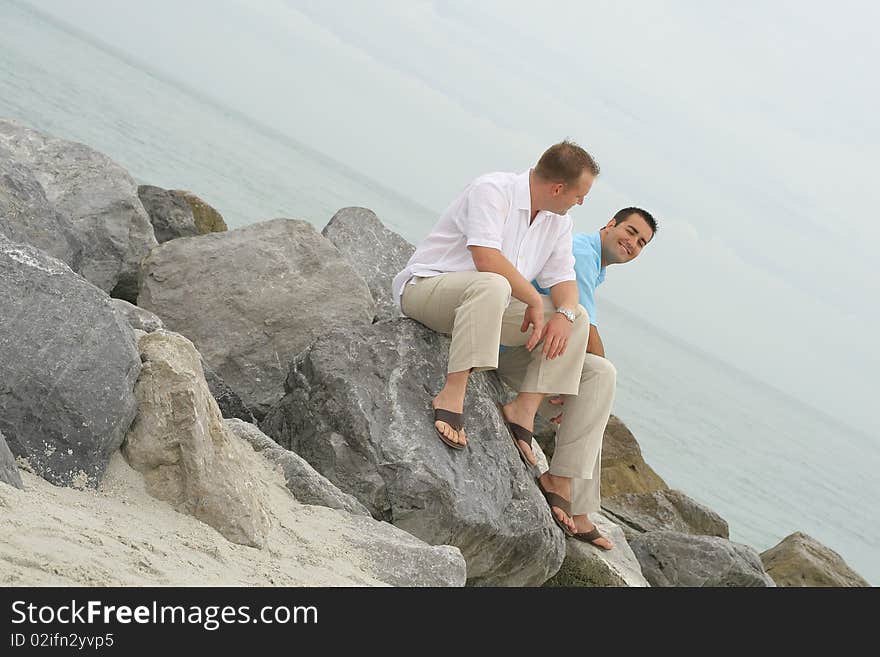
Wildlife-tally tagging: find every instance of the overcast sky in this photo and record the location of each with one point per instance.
(748, 129)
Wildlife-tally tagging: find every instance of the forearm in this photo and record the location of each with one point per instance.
(491, 260)
(565, 295)
(594, 342)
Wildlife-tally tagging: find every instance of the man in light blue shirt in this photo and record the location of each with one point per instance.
(619, 241)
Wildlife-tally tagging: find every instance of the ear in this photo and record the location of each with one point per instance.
(610, 224)
(558, 188)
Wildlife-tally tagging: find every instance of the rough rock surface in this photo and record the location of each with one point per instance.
(664, 509)
(251, 299)
(801, 560)
(623, 468)
(206, 218)
(170, 214)
(68, 365)
(8, 470)
(137, 318)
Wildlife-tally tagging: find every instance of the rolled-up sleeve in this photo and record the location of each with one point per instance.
(487, 210)
(560, 265)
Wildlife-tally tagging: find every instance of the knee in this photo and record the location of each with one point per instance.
(494, 284)
(601, 367)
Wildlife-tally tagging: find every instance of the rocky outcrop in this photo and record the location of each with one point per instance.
(8, 470)
(170, 214)
(137, 318)
(801, 560)
(68, 365)
(187, 456)
(228, 402)
(664, 509)
(307, 484)
(99, 199)
(623, 468)
(358, 410)
(251, 299)
(27, 216)
(206, 218)
(588, 565)
(373, 251)
(674, 559)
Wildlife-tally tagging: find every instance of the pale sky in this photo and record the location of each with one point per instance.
(749, 129)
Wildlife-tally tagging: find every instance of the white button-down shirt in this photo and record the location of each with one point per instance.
(494, 211)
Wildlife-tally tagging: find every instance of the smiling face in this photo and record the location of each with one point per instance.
(624, 241)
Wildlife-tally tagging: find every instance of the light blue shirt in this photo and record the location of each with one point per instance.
(588, 269)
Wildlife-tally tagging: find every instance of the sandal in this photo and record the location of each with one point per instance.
(518, 433)
(454, 420)
(559, 502)
(591, 537)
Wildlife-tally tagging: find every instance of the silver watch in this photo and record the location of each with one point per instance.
(568, 314)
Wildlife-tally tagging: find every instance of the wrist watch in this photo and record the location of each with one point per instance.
(568, 314)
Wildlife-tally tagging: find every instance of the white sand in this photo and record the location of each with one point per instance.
(120, 536)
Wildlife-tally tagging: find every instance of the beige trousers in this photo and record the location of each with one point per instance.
(578, 452)
(477, 310)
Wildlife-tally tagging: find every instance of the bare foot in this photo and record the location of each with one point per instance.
(583, 525)
(562, 487)
(513, 414)
(446, 401)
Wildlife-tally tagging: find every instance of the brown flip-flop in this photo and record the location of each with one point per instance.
(553, 499)
(517, 432)
(591, 537)
(454, 420)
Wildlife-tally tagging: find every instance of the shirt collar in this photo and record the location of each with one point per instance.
(522, 192)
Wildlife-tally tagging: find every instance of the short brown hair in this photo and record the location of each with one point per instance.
(565, 162)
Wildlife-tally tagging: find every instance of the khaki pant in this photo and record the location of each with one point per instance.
(477, 310)
(578, 452)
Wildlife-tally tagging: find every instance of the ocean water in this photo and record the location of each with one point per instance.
(765, 462)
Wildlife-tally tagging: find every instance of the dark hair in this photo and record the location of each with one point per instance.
(644, 214)
(565, 162)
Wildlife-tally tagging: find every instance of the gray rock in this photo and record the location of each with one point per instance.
(801, 560)
(675, 559)
(230, 404)
(250, 299)
(588, 565)
(307, 484)
(99, 198)
(623, 468)
(179, 443)
(401, 559)
(358, 410)
(170, 214)
(375, 252)
(206, 218)
(665, 510)
(8, 470)
(137, 318)
(27, 216)
(68, 365)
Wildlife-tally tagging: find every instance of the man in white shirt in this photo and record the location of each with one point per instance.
(471, 278)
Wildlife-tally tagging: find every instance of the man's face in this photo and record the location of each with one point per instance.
(625, 241)
(567, 196)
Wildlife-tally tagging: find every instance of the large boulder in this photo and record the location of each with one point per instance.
(664, 509)
(358, 410)
(170, 214)
(179, 443)
(801, 560)
(588, 565)
(97, 196)
(375, 252)
(674, 559)
(68, 365)
(623, 468)
(206, 218)
(307, 484)
(251, 299)
(228, 401)
(8, 470)
(27, 216)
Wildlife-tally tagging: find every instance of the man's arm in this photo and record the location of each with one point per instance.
(594, 342)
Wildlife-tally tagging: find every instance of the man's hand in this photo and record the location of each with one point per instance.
(557, 401)
(556, 334)
(533, 316)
